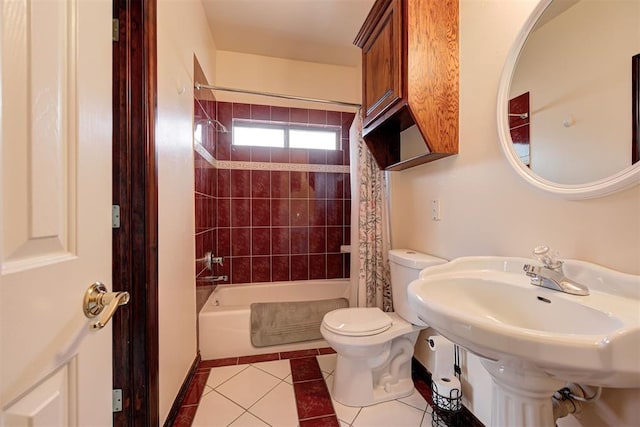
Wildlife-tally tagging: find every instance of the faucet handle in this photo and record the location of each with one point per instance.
(547, 256)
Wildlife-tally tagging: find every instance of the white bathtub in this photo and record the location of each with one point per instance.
(225, 318)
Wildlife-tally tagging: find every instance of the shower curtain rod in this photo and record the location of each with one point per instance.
(199, 86)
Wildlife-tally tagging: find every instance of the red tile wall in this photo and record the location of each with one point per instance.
(519, 127)
(273, 225)
(205, 175)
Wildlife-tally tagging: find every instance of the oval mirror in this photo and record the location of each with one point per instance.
(568, 106)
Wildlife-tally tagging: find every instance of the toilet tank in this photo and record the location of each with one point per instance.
(405, 268)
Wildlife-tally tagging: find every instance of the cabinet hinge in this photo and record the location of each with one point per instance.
(115, 29)
(117, 400)
(115, 216)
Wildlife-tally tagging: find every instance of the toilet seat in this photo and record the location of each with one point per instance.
(357, 322)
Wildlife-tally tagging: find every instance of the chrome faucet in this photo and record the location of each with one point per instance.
(551, 275)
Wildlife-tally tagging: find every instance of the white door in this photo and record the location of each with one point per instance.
(55, 211)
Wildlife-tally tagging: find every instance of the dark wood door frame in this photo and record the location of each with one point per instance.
(635, 108)
(135, 243)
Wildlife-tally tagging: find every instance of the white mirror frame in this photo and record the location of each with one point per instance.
(626, 178)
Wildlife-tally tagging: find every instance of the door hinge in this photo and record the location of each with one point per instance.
(115, 29)
(115, 216)
(117, 400)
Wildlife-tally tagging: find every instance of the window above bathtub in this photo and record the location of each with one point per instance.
(268, 134)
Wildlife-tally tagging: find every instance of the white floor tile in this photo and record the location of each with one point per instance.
(426, 420)
(278, 407)
(328, 379)
(248, 420)
(345, 413)
(222, 373)
(289, 380)
(387, 414)
(343, 424)
(416, 400)
(247, 387)
(277, 368)
(327, 362)
(206, 390)
(216, 410)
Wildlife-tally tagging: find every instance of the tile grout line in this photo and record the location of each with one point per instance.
(320, 417)
(262, 397)
(355, 417)
(228, 379)
(266, 372)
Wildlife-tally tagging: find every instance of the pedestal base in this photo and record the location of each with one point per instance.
(521, 394)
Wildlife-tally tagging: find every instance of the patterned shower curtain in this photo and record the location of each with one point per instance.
(373, 226)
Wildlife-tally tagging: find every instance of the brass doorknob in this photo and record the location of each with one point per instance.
(97, 298)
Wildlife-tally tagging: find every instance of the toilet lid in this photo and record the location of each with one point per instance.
(357, 321)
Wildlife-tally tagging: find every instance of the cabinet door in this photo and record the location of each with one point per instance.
(382, 64)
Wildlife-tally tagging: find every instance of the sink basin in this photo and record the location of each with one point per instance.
(488, 306)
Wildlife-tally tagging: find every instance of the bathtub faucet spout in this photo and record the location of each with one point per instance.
(222, 278)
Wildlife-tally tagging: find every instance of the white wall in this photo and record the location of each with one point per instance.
(487, 209)
(182, 32)
(288, 77)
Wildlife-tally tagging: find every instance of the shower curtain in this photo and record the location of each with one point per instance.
(372, 226)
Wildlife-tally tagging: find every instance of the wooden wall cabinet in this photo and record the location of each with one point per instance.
(410, 76)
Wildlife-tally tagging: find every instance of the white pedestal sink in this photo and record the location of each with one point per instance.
(534, 340)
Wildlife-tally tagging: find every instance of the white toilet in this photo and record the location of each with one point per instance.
(375, 348)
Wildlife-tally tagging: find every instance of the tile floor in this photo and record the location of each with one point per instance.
(283, 390)
(410, 411)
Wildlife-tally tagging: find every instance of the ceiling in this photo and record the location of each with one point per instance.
(307, 30)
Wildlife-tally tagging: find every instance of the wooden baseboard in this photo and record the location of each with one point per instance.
(465, 418)
(177, 403)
